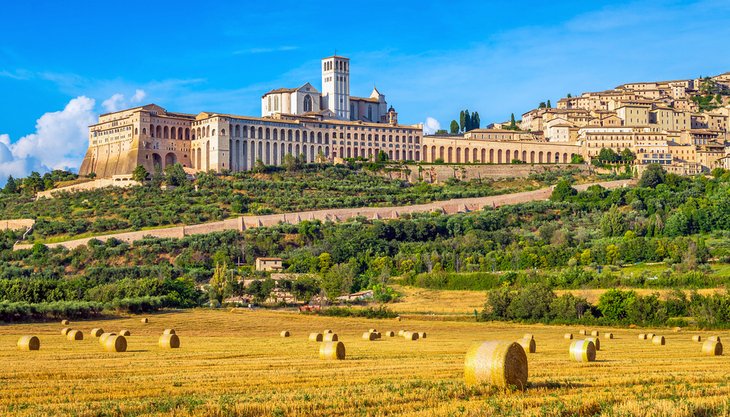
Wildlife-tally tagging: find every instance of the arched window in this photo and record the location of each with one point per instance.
(307, 103)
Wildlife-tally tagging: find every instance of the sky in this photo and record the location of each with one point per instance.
(64, 63)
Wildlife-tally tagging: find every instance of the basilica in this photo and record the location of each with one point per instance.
(304, 122)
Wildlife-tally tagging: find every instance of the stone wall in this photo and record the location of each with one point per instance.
(460, 205)
(436, 173)
(115, 181)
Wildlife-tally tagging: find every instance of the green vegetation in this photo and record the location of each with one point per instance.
(210, 197)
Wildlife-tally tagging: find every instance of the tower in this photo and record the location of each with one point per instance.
(336, 86)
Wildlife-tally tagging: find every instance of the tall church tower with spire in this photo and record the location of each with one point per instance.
(336, 86)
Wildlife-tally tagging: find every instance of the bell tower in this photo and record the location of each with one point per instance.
(336, 86)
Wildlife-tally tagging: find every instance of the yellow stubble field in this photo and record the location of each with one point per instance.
(236, 364)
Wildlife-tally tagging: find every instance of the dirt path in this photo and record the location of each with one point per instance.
(459, 205)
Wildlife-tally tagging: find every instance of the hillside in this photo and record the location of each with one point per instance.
(574, 241)
(212, 197)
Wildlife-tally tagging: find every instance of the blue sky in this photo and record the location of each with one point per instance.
(62, 63)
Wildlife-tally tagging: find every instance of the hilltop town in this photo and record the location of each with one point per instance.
(680, 124)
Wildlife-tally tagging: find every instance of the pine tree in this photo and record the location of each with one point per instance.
(454, 128)
(475, 122)
(467, 121)
(10, 187)
(512, 122)
(549, 105)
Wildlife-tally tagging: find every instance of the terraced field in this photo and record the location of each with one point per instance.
(236, 364)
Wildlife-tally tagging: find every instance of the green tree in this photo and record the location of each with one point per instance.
(175, 175)
(576, 159)
(562, 191)
(462, 121)
(454, 128)
(467, 121)
(475, 121)
(614, 304)
(652, 176)
(290, 163)
(139, 174)
(33, 182)
(222, 284)
(613, 222)
(10, 187)
(549, 106)
(338, 280)
(512, 122)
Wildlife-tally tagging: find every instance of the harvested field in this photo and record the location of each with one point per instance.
(236, 364)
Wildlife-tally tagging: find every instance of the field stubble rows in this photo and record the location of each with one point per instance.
(236, 364)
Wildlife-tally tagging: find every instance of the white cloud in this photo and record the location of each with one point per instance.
(119, 102)
(113, 103)
(138, 96)
(59, 142)
(431, 126)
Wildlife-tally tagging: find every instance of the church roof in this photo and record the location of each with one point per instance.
(281, 90)
(370, 99)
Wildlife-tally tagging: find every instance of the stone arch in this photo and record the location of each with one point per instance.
(475, 156)
(539, 157)
(152, 130)
(524, 156)
(491, 156)
(276, 134)
(441, 153)
(450, 155)
(549, 157)
(267, 154)
(532, 157)
(170, 159)
(458, 154)
(565, 158)
(484, 156)
(507, 159)
(157, 162)
(207, 155)
(173, 132)
(158, 131)
(499, 156)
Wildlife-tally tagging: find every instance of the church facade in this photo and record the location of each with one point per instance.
(318, 127)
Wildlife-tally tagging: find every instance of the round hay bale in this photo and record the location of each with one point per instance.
(370, 336)
(315, 337)
(96, 332)
(608, 335)
(65, 331)
(169, 341)
(332, 350)
(373, 330)
(29, 343)
(650, 336)
(528, 336)
(594, 333)
(75, 335)
(65, 322)
(697, 338)
(714, 339)
(378, 335)
(285, 333)
(125, 333)
(712, 348)
(115, 344)
(583, 332)
(658, 340)
(330, 337)
(144, 320)
(398, 318)
(422, 335)
(169, 331)
(327, 331)
(568, 336)
(400, 332)
(104, 336)
(498, 363)
(642, 336)
(410, 335)
(528, 345)
(596, 341)
(390, 333)
(582, 351)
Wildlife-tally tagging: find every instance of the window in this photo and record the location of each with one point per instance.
(307, 103)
